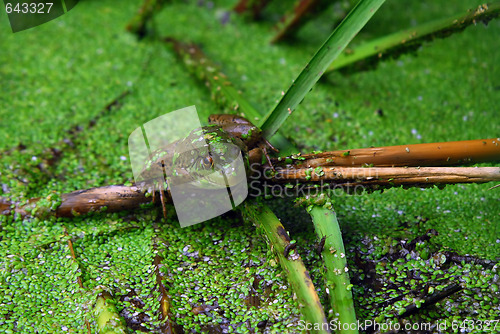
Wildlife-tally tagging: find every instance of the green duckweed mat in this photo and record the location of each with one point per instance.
(57, 135)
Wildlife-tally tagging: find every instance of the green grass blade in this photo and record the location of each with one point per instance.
(368, 55)
(319, 63)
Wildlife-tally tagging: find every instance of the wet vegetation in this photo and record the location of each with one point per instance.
(75, 88)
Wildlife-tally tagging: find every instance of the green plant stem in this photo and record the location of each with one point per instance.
(338, 40)
(336, 276)
(267, 224)
(319, 63)
(137, 25)
(387, 176)
(277, 237)
(107, 317)
(369, 54)
(222, 90)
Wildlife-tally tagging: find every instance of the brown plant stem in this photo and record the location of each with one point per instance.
(254, 7)
(108, 198)
(432, 299)
(119, 198)
(223, 92)
(432, 154)
(388, 176)
(137, 25)
(302, 12)
(85, 201)
(165, 315)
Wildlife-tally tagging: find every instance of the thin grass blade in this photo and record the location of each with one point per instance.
(319, 63)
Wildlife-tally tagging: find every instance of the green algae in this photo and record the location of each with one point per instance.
(447, 92)
(224, 266)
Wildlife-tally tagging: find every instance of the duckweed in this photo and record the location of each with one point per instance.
(226, 265)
